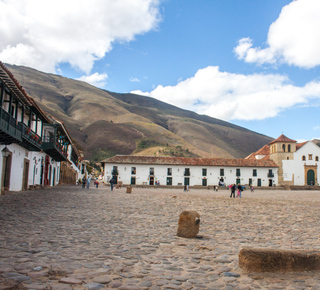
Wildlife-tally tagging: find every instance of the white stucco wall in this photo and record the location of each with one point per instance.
(213, 174)
(293, 170)
(19, 154)
(36, 160)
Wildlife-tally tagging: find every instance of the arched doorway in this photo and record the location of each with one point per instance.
(310, 177)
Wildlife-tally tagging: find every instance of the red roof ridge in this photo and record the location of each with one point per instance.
(283, 138)
(265, 150)
(299, 145)
(190, 161)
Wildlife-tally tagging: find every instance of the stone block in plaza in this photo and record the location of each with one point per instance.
(189, 224)
(129, 189)
(270, 260)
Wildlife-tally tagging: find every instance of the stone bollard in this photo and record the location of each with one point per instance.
(129, 189)
(269, 260)
(188, 225)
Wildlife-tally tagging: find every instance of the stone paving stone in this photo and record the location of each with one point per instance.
(70, 280)
(102, 279)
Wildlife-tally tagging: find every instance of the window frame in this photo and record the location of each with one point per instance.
(204, 171)
(254, 172)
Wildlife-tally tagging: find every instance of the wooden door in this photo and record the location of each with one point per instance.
(25, 176)
(6, 172)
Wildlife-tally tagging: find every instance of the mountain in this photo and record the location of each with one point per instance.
(104, 123)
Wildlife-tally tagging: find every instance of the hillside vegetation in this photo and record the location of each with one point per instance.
(104, 123)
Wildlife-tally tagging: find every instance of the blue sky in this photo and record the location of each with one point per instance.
(251, 63)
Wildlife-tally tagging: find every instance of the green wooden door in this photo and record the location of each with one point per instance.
(310, 177)
(204, 182)
(259, 182)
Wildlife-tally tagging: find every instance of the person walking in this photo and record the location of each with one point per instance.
(233, 190)
(239, 190)
(84, 181)
(88, 181)
(111, 183)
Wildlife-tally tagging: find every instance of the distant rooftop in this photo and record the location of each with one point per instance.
(283, 138)
(187, 161)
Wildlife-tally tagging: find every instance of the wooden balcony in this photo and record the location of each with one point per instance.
(30, 140)
(10, 129)
(51, 146)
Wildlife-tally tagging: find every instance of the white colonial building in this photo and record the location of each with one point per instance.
(298, 162)
(32, 144)
(177, 171)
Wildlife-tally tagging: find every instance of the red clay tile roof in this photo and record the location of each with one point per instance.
(267, 156)
(299, 145)
(251, 156)
(283, 138)
(132, 159)
(265, 150)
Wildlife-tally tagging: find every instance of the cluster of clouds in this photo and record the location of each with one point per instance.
(43, 34)
(293, 39)
(229, 96)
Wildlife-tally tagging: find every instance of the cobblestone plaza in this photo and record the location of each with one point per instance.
(67, 237)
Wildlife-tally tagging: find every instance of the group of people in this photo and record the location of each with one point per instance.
(239, 188)
(86, 182)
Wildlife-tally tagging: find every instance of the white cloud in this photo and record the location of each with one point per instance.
(231, 96)
(42, 34)
(96, 79)
(294, 38)
(134, 80)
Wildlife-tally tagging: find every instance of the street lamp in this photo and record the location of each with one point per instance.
(5, 152)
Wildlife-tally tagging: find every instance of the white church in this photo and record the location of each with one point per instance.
(298, 162)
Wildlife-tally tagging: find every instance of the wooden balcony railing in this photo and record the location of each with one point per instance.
(10, 129)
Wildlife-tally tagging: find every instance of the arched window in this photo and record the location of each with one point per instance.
(303, 158)
(317, 158)
(289, 148)
(283, 147)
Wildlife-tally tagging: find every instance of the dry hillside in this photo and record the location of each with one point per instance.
(104, 123)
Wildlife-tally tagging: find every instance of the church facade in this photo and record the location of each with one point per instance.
(297, 162)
